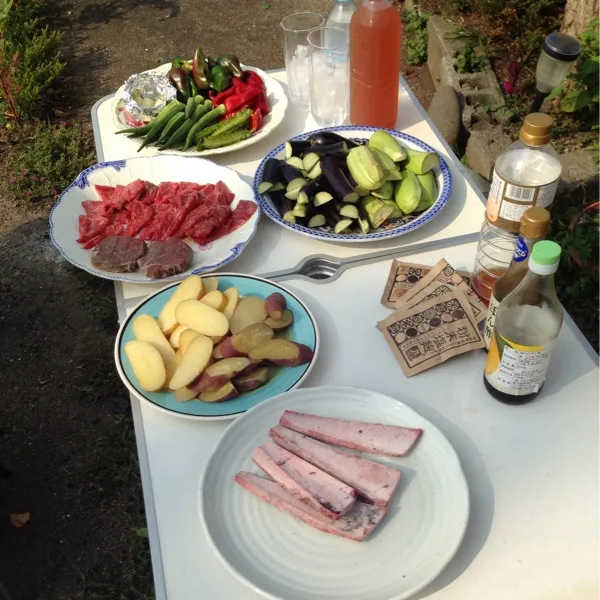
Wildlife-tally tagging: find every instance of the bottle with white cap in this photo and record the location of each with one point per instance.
(527, 324)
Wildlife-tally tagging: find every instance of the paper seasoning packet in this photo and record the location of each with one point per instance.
(430, 333)
(403, 276)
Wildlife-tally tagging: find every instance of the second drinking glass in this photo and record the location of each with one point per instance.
(328, 63)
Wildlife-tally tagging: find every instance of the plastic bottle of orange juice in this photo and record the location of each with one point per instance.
(375, 45)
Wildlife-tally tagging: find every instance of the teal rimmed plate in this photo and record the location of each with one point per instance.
(283, 379)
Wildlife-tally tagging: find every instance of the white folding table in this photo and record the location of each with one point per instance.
(532, 470)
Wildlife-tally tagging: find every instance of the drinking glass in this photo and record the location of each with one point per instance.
(296, 28)
(328, 54)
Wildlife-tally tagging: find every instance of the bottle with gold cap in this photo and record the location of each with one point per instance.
(534, 226)
(526, 174)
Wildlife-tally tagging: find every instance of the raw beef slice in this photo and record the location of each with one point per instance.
(164, 259)
(118, 254)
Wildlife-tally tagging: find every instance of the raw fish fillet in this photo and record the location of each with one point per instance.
(365, 437)
(308, 483)
(357, 525)
(374, 481)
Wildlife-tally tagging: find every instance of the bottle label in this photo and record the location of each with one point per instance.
(521, 251)
(515, 369)
(508, 202)
(490, 321)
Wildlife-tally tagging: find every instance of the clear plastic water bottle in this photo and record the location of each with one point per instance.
(341, 14)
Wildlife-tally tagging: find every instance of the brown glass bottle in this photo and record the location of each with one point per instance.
(534, 226)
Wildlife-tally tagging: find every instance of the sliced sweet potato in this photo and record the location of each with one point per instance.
(275, 305)
(252, 366)
(147, 364)
(174, 337)
(185, 338)
(286, 319)
(184, 394)
(195, 359)
(226, 392)
(201, 318)
(215, 299)
(250, 310)
(211, 284)
(191, 288)
(233, 297)
(282, 352)
(217, 350)
(252, 381)
(217, 339)
(218, 374)
(146, 329)
(242, 342)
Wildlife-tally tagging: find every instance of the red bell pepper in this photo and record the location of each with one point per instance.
(220, 98)
(250, 97)
(252, 79)
(256, 120)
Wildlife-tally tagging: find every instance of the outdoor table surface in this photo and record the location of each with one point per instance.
(532, 470)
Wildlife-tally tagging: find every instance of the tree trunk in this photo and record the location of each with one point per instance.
(578, 13)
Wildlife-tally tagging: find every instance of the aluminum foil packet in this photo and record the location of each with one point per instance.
(146, 94)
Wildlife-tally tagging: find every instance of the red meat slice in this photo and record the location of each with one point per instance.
(105, 192)
(242, 212)
(221, 188)
(139, 216)
(90, 227)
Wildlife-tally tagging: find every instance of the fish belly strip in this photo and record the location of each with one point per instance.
(373, 438)
(311, 485)
(357, 525)
(374, 481)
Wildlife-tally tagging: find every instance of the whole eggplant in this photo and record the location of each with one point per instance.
(179, 78)
(199, 69)
(231, 63)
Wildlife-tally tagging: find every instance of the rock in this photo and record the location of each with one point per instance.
(483, 149)
(481, 182)
(444, 111)
(579, 173)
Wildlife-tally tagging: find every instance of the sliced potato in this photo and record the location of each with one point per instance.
(195, 359)
(185, 338)
(217, 351)
(215, 299)
(174, 338)
(147, 364)
(172, 366)
(233, 297)
(184, 394)
(250, 310)
(146, 329)
(211, 284)
(201, 318)
(226, 392)
(191, 288)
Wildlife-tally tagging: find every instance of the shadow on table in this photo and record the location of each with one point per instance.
(481, 498)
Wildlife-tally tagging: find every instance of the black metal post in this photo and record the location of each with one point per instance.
(537, 102)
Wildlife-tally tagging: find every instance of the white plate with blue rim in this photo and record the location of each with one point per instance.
(281, 379)
(392, 227)
(65, 214)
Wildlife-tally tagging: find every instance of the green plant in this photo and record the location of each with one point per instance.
(44, 161)
(415, 36)
(468, 60)
(581, 91)
(29, 60)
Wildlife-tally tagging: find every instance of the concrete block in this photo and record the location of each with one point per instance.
(445, 112)
(579, 174)
(483, 149)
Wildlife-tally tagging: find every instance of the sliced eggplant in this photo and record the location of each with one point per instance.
(335, 220)
(295, 161)
(280, 202)
(385, 192)
(377, 211)
(289, 172)
(342, 225)
(289, 217)
(363, 221)
(299, 210)
(270, 175)
(337, 180)
(305, 195)
(317, 220)
(316, 171)
(325, 138)
(310, 160)
(322, 197)
(293, 188)
(348, 210)
(296, 148)
(337, 149)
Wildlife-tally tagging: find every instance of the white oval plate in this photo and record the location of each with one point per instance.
(284, 559)
(276, 99)
(64, 229)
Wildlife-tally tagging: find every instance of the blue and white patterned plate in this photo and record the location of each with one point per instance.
(302, 330)
(391, 228)
(156, 169)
